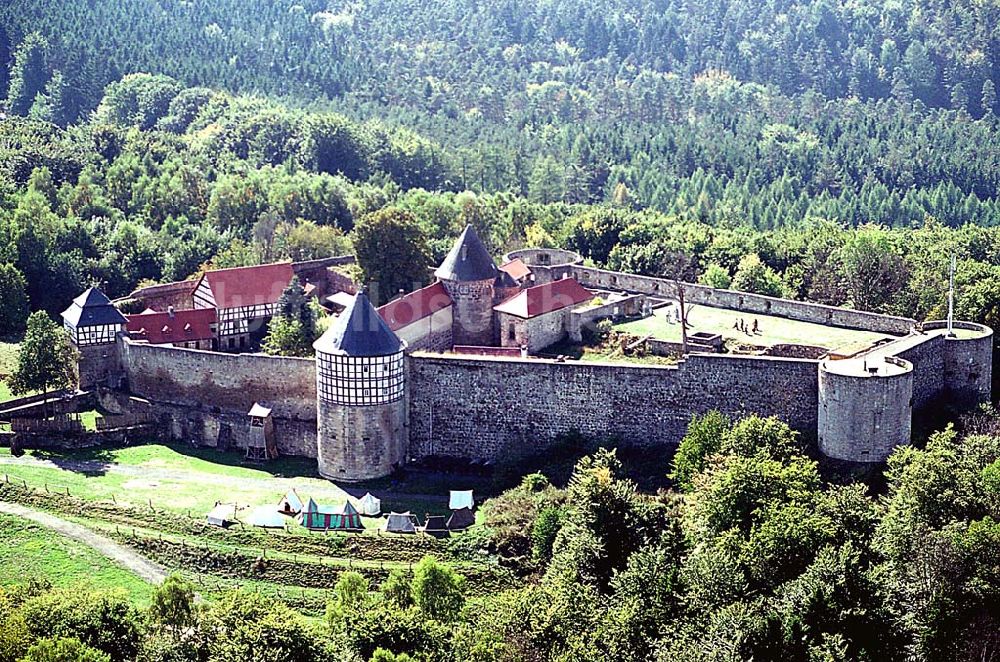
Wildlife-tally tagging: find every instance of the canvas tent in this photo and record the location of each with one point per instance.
(222, 514)
(290, 504)
(265, 517)
(436, 526)
(370, 506)
(345, 518)
(401, 523)
(461, 499)
(461, 519)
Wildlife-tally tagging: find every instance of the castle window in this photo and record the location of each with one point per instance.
(510, 333)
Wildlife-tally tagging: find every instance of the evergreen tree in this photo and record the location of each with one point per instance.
(989, 98)
(294, 305)
(29, 74)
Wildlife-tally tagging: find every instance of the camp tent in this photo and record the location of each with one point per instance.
(370, 506)
(436, 526)
(461, 499)
(401, 523)
(290, 504)
(345, 518)
(221, 514)
(461, 519)
(265, 517)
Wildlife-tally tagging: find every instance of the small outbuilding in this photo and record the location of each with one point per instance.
(370, 506)
(290, 504)
(261, 446)
(461, 519)
(461, 499)
(401, 523)
(222, 514)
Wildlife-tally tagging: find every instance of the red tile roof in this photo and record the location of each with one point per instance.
(541, 299)
(249, 286)
(181, 326)
(415, 306)
(517, 269)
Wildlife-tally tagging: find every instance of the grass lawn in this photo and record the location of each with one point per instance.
(183, 479)
(5, 394)
(603, 355)
(30, 550)
(8, 357)
(773, 330)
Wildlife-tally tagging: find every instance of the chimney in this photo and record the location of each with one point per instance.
(170, 311)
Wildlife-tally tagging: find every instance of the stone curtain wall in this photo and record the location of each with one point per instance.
(926, 354)
(742, 301)
(232, 382)
(431, 334)
(478, 407)
(195, 393)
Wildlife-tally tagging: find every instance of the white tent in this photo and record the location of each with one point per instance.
(370, 506)
(291, 504)
(221, 514)
(265, 517)
(461, 499)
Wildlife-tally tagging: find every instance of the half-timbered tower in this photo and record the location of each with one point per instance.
(93, 324)
(360, 389)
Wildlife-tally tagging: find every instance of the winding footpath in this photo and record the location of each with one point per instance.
(123, 556)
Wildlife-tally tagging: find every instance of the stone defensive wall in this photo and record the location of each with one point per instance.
(199, 394)
(741, 301)
(484, 406)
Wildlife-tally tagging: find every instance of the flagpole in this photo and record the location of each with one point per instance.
(951, 297)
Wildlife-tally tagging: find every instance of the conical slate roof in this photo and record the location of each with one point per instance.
(359, 331)
(92, 308)
(468, 260)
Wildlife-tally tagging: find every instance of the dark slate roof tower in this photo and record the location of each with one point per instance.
(359, 331)
(94, 324)
(361, 403)
(92, 309)
(468, 259)
(469, 274)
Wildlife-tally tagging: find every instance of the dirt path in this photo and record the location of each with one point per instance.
(140, 565)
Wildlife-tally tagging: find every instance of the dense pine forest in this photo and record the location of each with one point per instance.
(839, 152)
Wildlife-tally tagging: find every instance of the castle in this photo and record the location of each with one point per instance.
(458, 368)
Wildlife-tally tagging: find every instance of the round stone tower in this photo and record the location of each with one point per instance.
(865, 407)
(469, 275)
(361, 396)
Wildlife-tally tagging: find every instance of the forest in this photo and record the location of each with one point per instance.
(838, 152)
(757, 554)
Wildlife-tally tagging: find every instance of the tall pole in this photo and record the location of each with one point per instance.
(951, 296)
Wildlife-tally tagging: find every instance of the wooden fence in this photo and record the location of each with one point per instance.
(61, 423)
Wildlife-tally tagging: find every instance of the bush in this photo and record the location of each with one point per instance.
(543, 533)
(437, 590)
(101, 620)
(65, 649)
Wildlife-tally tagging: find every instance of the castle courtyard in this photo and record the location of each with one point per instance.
(772, 330)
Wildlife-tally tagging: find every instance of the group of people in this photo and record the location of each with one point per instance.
(741, 325)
